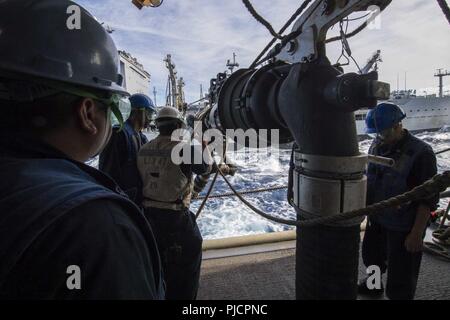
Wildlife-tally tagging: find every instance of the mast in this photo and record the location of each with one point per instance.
(232, 65)
(180, 95)
(398, 82)
(405, 81)
(175, 87)
(154, 95)
(441, 74)
(171, 99)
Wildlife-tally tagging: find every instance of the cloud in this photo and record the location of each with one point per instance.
(202, 34)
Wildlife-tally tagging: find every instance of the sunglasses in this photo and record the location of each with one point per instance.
(114, 103)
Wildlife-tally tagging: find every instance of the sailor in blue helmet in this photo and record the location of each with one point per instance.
(394, 237)
(67, 230)
(119, 157)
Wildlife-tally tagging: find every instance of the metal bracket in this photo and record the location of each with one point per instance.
(333, 165)
(314, 24)
(317, 197)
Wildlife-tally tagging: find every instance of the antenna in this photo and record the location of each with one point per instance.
(405, 80)
(154, 95)
(398, 81)
(441, 74)
(232, 65)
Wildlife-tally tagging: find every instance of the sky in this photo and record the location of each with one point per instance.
(201, 35)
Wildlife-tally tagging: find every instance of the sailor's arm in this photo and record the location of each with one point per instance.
(201, 159)
(203, 169)
(113, 156)
(424, 169)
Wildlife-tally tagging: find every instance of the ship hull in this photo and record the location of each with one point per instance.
(422, 114)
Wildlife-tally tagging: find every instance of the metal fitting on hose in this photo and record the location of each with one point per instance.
(326, 186)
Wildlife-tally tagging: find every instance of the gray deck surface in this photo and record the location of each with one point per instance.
(271, 276)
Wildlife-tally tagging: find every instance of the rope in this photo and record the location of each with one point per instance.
(261, 190)
(205, 198)
(445, 9)
(349, 35)
(260, 19)
(435, 185)
(442, 151)
(213, 182)
(243, 192)
(442, 3)
(441, 225)
(286, 25)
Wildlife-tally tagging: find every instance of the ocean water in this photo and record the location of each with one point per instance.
(227, 217)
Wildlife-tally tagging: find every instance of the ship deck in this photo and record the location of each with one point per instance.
(267, 272)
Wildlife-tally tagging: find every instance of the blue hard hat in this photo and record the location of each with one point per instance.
(190, 120)
(139, 101)
(384, 116)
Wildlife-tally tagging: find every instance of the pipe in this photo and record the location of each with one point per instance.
(387, 162)
(327, 257)
(254, 239)
(313, 104)
(251, 240)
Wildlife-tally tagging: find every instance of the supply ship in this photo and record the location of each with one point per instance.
(423, 113)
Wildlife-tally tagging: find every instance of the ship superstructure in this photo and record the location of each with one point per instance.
(135, 78)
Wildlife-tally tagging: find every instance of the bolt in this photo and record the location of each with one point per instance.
(328, 7)
(292, 47)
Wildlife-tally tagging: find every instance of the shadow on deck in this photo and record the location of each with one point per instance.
(271, 276)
